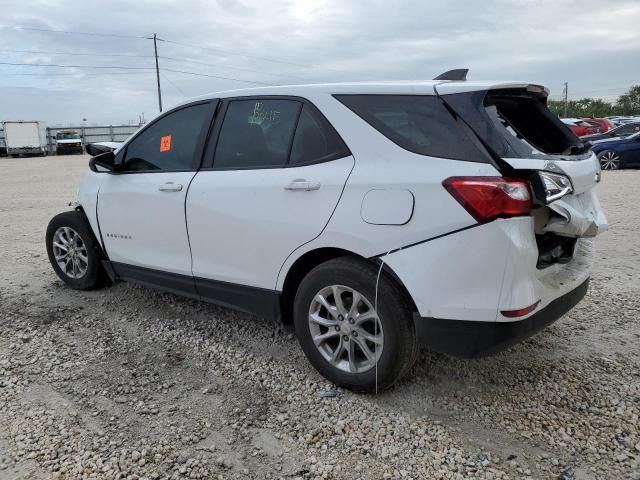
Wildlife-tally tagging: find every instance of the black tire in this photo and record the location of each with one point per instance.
(399, 349)
(95, 276)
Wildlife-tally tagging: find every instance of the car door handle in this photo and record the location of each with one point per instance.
(302, 184)
(170, 187)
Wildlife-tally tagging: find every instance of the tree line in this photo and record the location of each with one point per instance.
(626, 104)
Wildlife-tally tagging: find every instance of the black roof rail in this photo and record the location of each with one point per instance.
(456, 74)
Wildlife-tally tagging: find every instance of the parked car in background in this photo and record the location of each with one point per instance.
(367, 216)
(623, 130)
(619, 120)
(618, 153)
(579, 127)
(68, 141)
(603, 124)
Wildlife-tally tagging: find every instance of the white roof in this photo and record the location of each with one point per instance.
(400, 87)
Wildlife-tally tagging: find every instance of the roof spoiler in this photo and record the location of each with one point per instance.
(459, 74)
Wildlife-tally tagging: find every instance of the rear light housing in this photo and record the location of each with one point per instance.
(555, 185)
(488, 198)
(521, 312)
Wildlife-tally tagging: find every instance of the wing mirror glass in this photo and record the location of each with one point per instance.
(105, 162)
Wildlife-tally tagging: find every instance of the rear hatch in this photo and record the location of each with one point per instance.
(526, 140)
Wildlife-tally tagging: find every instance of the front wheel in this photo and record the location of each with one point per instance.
(74, 252)
(609, 160)
(352, 340)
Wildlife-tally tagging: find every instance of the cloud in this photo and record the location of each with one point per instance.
(591, 44)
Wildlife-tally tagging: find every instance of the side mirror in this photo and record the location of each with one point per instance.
(105, 162)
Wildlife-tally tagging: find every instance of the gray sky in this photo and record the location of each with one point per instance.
(592, 44)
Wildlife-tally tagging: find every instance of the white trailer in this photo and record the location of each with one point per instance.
(25, 138)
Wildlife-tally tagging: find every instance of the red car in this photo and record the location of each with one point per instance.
(604, 124)
(579, 127)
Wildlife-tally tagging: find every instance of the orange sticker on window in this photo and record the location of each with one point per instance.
(165, 143)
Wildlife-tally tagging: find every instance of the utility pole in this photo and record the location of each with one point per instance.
(155, 50)
(565, 92)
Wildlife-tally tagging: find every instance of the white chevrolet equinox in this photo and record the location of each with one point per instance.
(374, 218)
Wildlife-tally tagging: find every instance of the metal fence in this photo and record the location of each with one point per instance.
(89, 134)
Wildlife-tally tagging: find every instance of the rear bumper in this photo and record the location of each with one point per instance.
(472, 339)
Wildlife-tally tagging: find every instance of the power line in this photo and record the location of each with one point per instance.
(87, 54)
(227, 52)
(224, 66)
(166, 77)
(132, 68)
(92, 34)
(121, 67)
(256, 57)
(128, 55)
(50, 74)
(216, 76)
(217, 50)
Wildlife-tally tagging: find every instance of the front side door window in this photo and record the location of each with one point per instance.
(168, 144)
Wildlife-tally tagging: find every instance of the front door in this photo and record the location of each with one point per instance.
(276, 177)
(141, 207)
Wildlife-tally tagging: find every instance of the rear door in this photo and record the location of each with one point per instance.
(516, 126)
(141, 208)
(275, 172)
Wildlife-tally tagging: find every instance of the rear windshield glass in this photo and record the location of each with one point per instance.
(419, 123)
(516, 125)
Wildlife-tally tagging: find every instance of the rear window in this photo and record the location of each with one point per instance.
(515, 124)
(419, 123)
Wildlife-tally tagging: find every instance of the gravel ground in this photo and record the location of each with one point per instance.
(126, 382)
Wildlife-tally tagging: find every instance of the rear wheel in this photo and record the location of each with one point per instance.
(74, 252)
(609, 160)
(347, 337)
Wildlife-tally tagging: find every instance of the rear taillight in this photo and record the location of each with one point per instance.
(488, 198)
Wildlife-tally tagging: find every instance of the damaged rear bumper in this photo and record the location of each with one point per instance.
(577, 216)
(472, 339)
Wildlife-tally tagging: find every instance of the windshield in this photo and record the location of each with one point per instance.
(516, 124)
(67, 136)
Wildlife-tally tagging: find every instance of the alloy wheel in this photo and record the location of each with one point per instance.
(609, 160)
(70, 252)
(345, 329)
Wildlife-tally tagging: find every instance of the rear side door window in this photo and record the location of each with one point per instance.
(256, 133)
(169, 144)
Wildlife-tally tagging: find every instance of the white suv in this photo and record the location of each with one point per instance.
(373, 217)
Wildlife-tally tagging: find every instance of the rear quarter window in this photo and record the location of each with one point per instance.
(421, 124)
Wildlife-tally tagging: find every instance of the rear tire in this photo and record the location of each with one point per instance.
(331, 342)
(73, 251)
